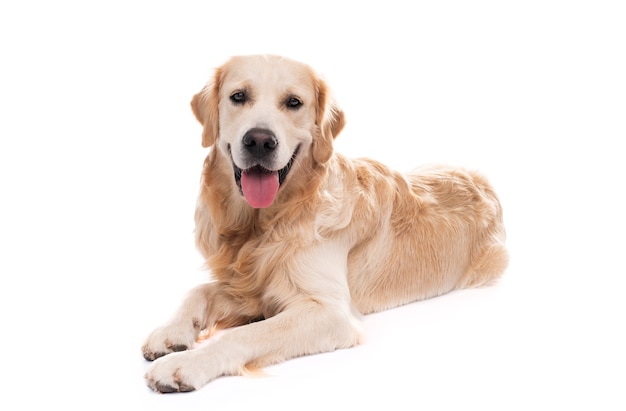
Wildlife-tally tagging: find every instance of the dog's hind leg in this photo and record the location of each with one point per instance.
(487, 268)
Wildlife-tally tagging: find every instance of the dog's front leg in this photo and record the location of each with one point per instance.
(203, 307)
(305, 327)
(181, 331)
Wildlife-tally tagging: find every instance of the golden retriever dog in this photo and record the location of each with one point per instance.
(302, 241)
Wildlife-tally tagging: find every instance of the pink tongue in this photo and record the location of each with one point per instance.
(259, 187)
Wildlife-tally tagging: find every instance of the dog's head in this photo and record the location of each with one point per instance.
(267, 114)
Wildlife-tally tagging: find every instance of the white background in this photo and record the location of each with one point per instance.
(100, 160)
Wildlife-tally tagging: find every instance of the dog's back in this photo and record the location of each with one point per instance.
(420, 235)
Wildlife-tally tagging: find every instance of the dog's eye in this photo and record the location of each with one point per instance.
(238, 97)
(293, 102)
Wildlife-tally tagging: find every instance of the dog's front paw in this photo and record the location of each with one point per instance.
(167, 339)
(178, 372)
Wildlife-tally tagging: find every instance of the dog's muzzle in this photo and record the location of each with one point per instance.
(258, 183)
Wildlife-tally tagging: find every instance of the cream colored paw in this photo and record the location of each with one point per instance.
(168, 339)
(178, 372)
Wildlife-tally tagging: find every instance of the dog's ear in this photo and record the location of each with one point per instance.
(330, 120)
(205, 108)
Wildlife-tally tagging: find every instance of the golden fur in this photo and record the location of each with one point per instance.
(343, 237)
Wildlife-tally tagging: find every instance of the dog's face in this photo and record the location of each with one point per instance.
(267, 114)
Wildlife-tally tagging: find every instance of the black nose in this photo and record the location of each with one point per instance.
(259, 142)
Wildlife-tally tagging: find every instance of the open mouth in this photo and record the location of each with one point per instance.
(258, 185)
